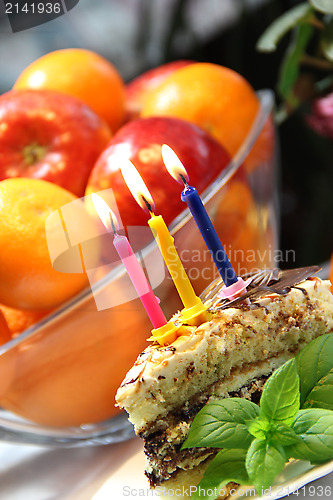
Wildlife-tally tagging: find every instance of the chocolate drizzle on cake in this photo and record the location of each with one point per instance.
(275, 281)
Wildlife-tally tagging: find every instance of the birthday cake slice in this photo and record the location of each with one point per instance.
(231, 354)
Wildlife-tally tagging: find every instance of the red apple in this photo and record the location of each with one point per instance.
(51, 136)
(141, 141)
(137, 89)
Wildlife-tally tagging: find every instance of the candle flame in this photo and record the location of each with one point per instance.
(173, 164)
(137, 186)
(105, 213)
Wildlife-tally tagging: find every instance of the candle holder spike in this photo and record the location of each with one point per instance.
(165, 334)
(194, 315)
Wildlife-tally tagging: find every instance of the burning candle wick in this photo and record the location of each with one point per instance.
(114, 229)
(148, 205)
(184, 180)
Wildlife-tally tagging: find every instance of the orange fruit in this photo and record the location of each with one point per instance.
(5, 335)
(27, 277)
(83, 74)
(213, 97)
(19, 320)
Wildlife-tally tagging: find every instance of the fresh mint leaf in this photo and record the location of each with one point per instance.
(222, 424)
(278, 434)
(324, 6)
(264, 462)
(259, 427)
(276, 431)
(283, 435)
(314, 362)
(228, 465)
(273, 34)
(280, 398)
(321, 395)
(315, 429)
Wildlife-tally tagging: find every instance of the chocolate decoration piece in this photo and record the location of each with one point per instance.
(263, 282)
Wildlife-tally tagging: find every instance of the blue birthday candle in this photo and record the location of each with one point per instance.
(191, 197)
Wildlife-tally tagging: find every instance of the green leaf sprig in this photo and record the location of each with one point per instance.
(310, 21)
(295, 420)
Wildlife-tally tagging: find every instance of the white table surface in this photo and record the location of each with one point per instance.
(107, 472)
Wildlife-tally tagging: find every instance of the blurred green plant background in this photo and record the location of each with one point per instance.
(294, 58)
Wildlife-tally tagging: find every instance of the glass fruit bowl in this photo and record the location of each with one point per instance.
(60, 376)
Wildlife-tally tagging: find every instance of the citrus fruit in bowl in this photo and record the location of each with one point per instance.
(213, 97)
(19, 320)
(28, 279)
(82, 74)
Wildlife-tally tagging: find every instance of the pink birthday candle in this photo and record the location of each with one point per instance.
(133, 268)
